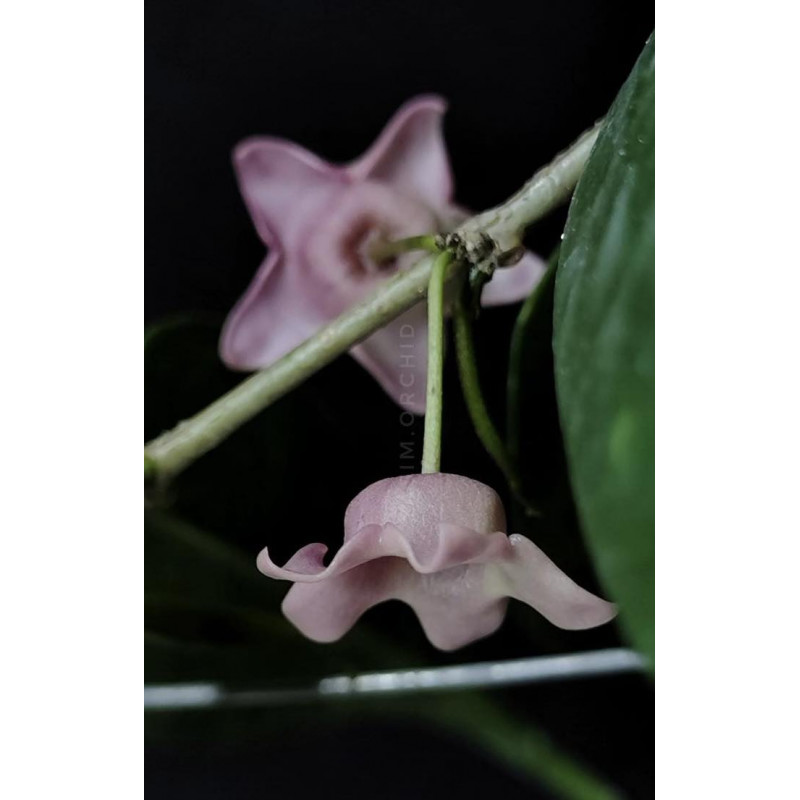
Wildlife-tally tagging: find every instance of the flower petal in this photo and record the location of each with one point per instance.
(453, 606)
(283, 186)
(337, 267)
(410, 153)
(451, 546)
(397, 357)
(450, 605)
(441, 579)
(534, 579)
(511, 284)
(418, 503)
(325, 611)
(272, 318)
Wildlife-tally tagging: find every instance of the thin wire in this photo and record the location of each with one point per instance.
(482, 675)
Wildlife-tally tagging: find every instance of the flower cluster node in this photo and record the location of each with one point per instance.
(478, 250)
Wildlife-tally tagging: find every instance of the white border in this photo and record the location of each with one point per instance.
(70, 309)
(727, 433)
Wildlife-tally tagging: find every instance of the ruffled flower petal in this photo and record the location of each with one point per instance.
(326, 611)
(450, 546)
(453, 607)
(380, 563)
(455, 577)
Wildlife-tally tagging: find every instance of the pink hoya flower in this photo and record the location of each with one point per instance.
(319, 220)
(436, 542)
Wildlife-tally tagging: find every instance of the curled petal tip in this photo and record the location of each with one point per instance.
(431, 100)
(537, 581)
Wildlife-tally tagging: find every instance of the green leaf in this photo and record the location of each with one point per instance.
(536, 445)
(604, 350)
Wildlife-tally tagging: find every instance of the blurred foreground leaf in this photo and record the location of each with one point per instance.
(604, 350)
(536, 445)
(522, 747)
(211, 615)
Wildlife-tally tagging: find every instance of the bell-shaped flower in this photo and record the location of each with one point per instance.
(438, 543)
(320, 223)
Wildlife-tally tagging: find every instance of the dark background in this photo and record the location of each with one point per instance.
(523, 80)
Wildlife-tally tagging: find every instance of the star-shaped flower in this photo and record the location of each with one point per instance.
(320, 221)
(436, 542)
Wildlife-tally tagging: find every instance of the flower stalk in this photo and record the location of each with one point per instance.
(432, 444)
(476, 405)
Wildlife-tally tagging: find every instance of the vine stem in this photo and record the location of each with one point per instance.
(174, 450)
(432, 443)
(548, 188)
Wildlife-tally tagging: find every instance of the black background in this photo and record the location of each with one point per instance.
(522, 80)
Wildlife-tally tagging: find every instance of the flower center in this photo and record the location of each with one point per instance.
(366, 241)
(339, 247)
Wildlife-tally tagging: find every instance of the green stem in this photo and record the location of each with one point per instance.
(432, 445)
(546, 190)
(174, 450)
(383, 250)
(476, 405)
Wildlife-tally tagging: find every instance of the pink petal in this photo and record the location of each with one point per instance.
(321, 274)
(315, 216)
(418, 503)
(283, 186)
(334, 256)
(436, 577)
(397, 357)
(534, 579)
(270, 320)
(456, 582)
(428, 541)
(453, 606)
(450, 605)
(326, 611)
(411, 155)
(511, 284)
(449, 546)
